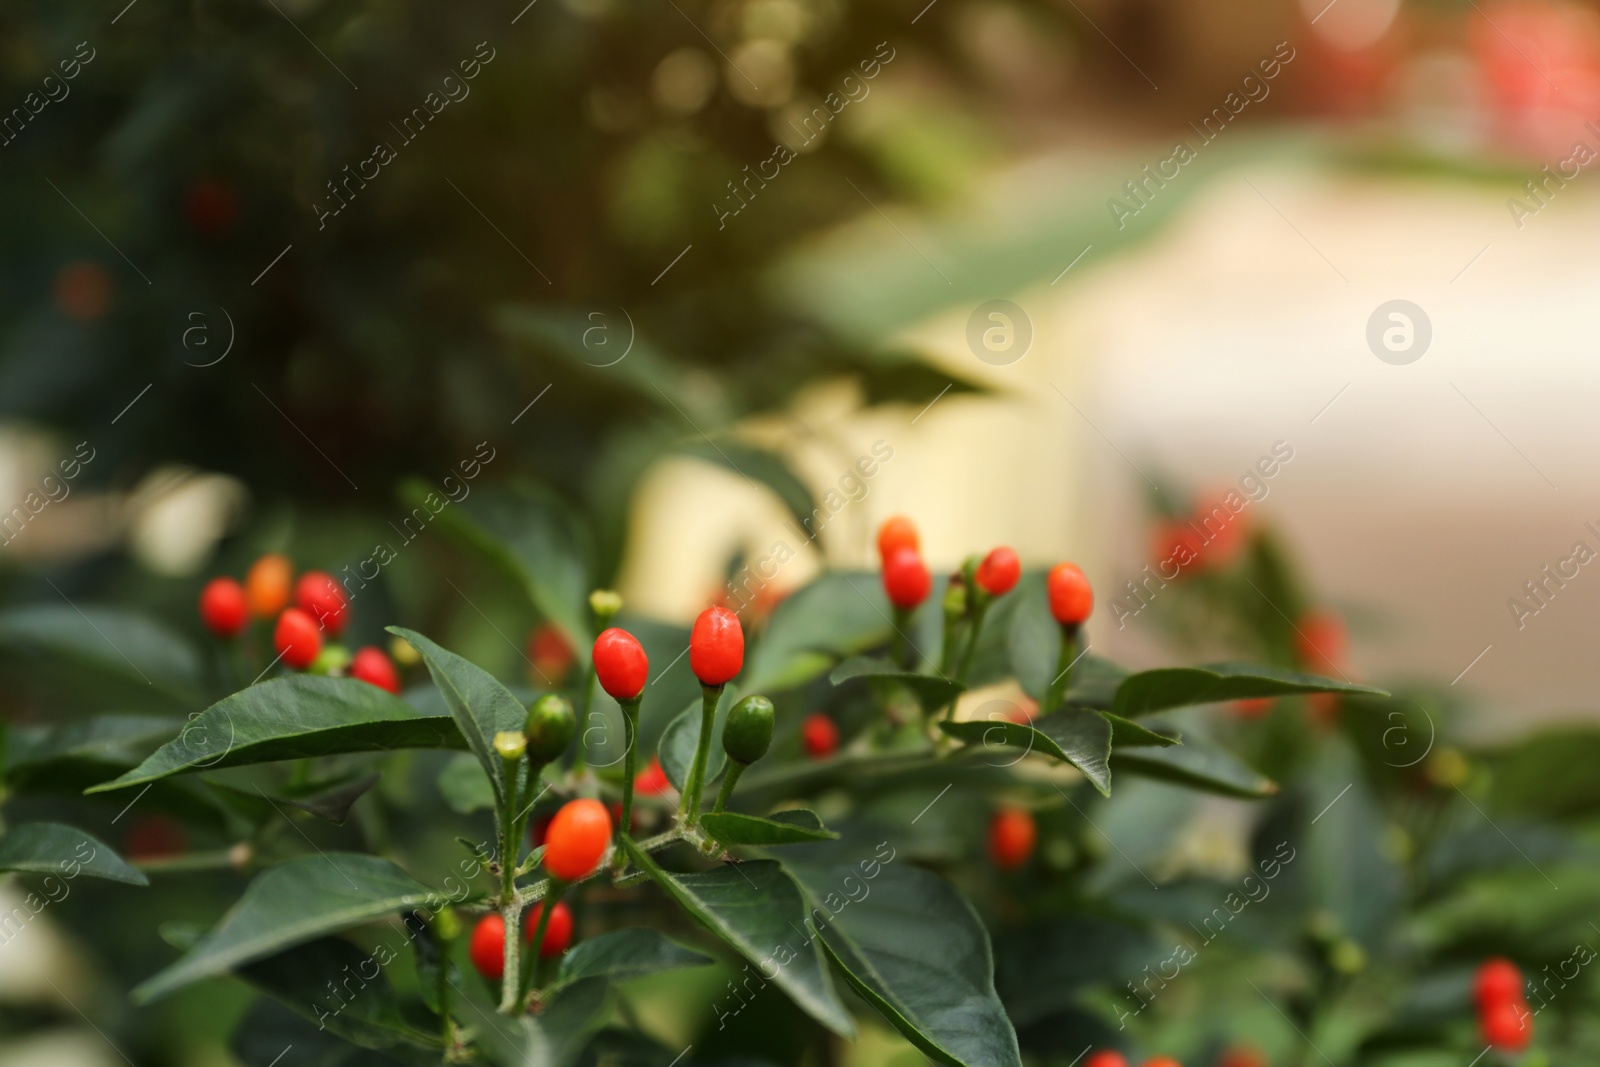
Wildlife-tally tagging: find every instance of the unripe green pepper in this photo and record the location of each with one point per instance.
(549, 728)
(748, 732)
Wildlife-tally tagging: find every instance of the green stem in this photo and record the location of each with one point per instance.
(510, 905)
(947, 645)
(585, 701)
(972, 643)
(902, 619)
(735, 769)
(547, 908)
(709, 695)
(630, 731)
(1063, 675)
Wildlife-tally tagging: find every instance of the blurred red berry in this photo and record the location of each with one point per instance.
(1011, 836)
(906, 579)
(819, 735)
(1507, 1024)
(999, 571)
(223, 607)
(82, 291)
(550, 652)
(620, 664)
(1322, 641)
(1253, 707)
(267, 585)
(320, 596)
(1497, 980)
(1071, 597)
(298, 638)
(897, 532)
(373, 666)
(652, 779)
(1174, 546)
(153, 837)
(716, 646)
(558, 935)
(1221, 531)
(211, 205)
(1242, 1056)
(1106, 1058)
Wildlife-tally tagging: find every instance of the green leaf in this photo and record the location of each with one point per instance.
(326, 981)
(757, 908)
(1077, 735)
(1043, 964)
(52, 848)
(463, 785)
(103, 739)
(482, 707)
(932, 691)
(127, 646)
(914, 948)
(292, 718)
(834, 617)
(1176, 687)
(794, 827)
(750, 462)
(537, 539)
(557, 1036)
(302, 900)
(623, 954)
(1209, 769)
(1033, 643)
(682, 734)
(1125, 733)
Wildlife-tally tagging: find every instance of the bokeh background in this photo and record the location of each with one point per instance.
(270, 267)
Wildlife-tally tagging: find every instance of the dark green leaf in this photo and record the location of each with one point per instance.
(914, 948)
(760, 912)
(781, 828)
(1549, 774)
(623, 954)
(1176, 687)
(1044, 964)
(1125, 733)
(932, 691)
(536, 538)
(111, 642)
(344, 990)
(1077, 735)
(836, 616)
(66, 851)
(302, 900)
(292, 718)
(1212, 770)
(113, 739)
(481, 706)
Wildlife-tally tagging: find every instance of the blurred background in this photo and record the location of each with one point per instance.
(693, 267)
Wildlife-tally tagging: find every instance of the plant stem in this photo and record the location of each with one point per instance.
(972, 643)
(510, 905)
(947, 645)
(902, 619)
(1063, 675)
(735, 769)
(584, 703)
(630, 730)
(547, 908)
(709, 695)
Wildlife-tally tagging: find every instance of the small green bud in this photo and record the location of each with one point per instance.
(549, 727)
(605, 603)
(446, 924)
(333, 659)
(955, 600)
(969, 576)
(510, 744)
(748, 731)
